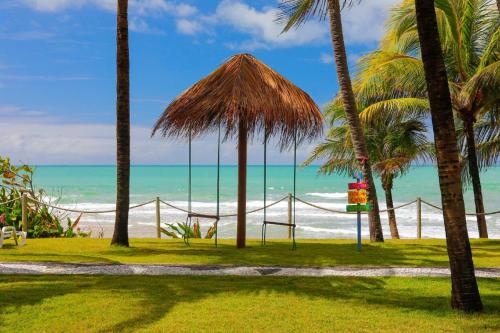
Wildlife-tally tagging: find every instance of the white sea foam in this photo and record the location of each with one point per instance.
(311, 222)
(334, 195)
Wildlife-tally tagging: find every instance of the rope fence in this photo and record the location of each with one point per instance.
(351, 213)
(468, 214)
(25, 199)
(221, 215)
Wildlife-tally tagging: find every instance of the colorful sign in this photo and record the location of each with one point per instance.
(357, 197)
(357, 186)
(359, 208)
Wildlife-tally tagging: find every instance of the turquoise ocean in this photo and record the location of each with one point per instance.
(93, 188)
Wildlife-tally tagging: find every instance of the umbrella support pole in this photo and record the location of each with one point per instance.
(242, 185)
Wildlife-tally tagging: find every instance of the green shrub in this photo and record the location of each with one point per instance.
(42, 220)
(182, 230)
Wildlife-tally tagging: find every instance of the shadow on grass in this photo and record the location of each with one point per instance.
(62, 258)
(308, 254)
(157, 295)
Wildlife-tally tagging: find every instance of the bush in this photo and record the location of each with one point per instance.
(42, 220)
(182, 230)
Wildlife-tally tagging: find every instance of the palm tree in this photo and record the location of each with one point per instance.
(487, 132)
(297, 12)
(470, 30)
(120, 235)
(392, 143)
(487, 139)
(465, 293)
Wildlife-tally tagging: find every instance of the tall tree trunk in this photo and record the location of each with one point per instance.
(465, 294)
(352, 116)
(242, 186)
(475, 178)
(120, 235)
(391, 214)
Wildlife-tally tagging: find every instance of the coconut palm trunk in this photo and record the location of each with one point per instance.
(475, 178)
(352, 116)
(120, 235)
(242, 186)
(387, 183)
(465, 294)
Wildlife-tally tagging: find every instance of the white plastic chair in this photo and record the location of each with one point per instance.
(10, 232)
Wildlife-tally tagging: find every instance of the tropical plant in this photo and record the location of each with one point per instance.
(393, 145)
(120, 234)
(183, 230)
(470, 36)
(487, 138)
(297, 12)
(43, 221)
(464, 291)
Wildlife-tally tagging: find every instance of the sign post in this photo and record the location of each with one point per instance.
(359, 220)
(358, 202)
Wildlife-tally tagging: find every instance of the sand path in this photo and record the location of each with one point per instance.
(219, 270)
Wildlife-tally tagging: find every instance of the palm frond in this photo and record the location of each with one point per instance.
(398, 107)
(295, 13)
(243, 89)
(483, 89)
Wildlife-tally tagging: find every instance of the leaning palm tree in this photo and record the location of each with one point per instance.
(120, 235)
(487, 132)
(297, 12)
(465, 293)
(393, 145)
(487, 139)
(470, 36)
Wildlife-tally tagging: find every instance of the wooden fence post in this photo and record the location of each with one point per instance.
(158, 231)
(289, 215)
(419, 218)
(24, 212)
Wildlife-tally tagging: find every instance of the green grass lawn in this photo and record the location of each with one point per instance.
(428, 252)
(237, 304)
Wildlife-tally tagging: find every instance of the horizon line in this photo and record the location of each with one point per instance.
(194, 165)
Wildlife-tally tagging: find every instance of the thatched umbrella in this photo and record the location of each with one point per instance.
(244, 96)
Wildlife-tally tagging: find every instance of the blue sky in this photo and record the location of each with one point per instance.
(57, 70)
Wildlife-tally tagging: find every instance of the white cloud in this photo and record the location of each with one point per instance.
(140, 25)
(326, 58)
(52, 5)
(35, 140)
(53, 143)
(19, 112)
(262, 27)
(185, 10)
(364, 22)
(138, 10)
(188, 27)
(353, 58)
(136, 7)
